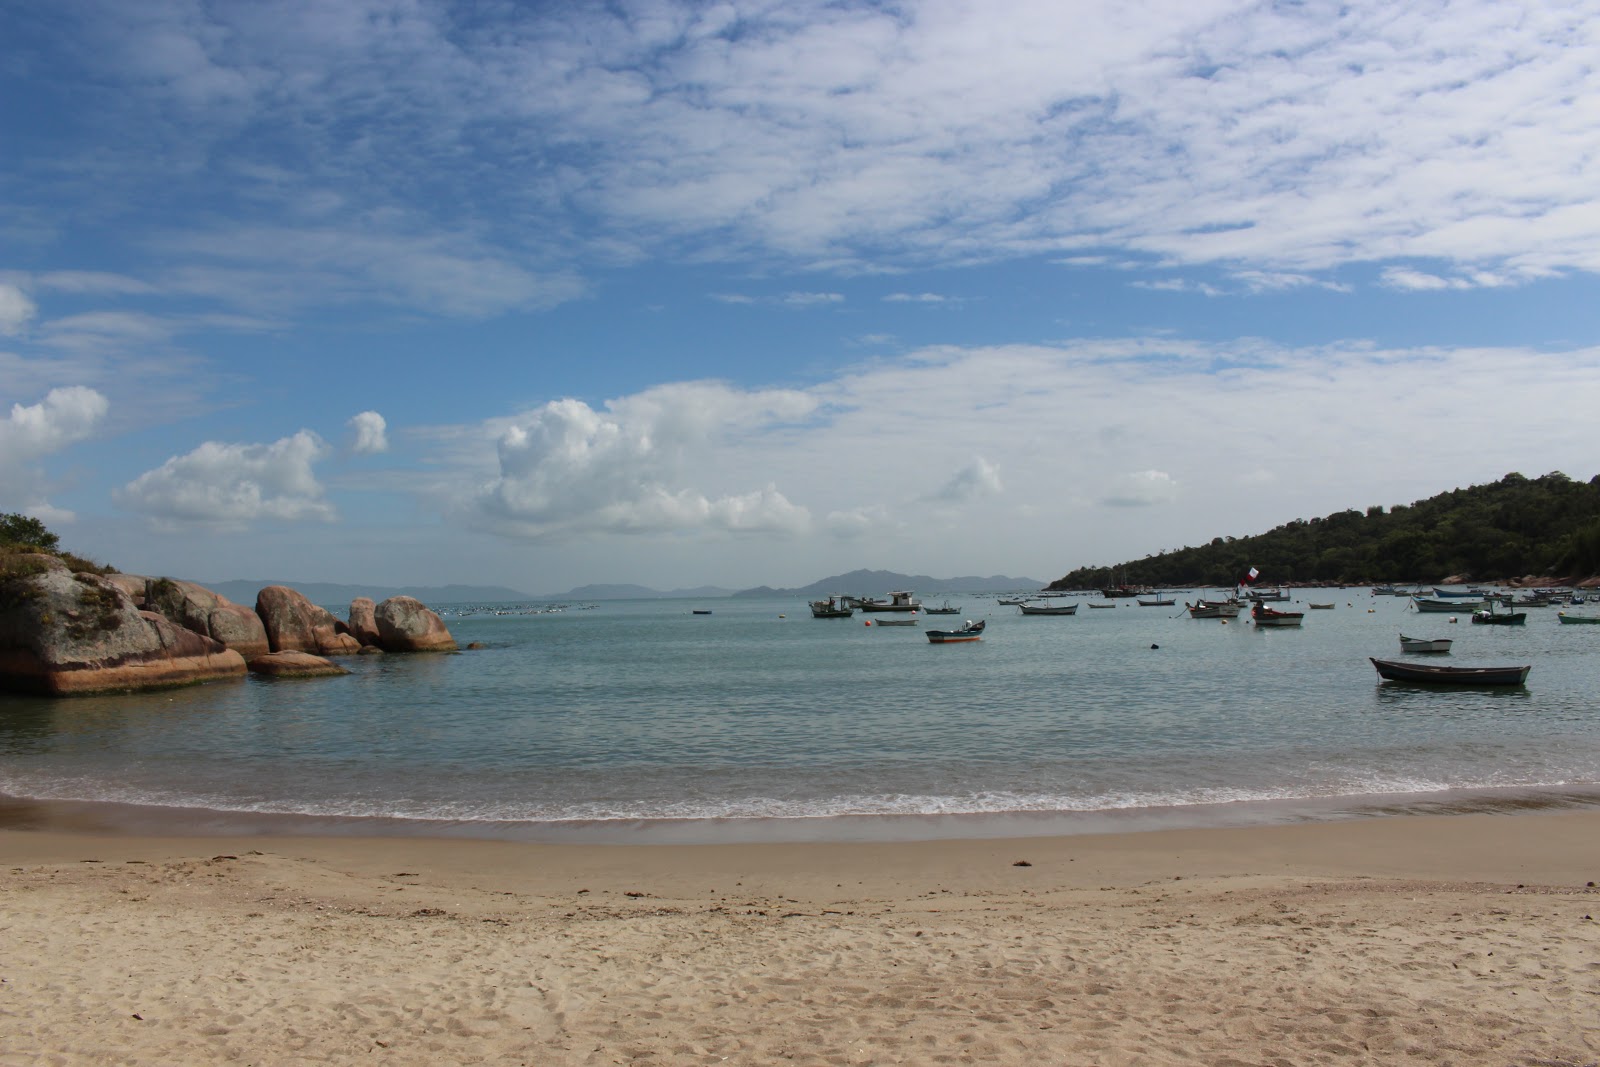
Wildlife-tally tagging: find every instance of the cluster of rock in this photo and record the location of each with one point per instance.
(66, 633)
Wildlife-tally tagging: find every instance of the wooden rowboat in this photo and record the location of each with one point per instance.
(1399, 671)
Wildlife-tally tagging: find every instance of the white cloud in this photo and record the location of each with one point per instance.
(231, 485)
(29, 433)
(812, 299)
(16, 309)
(980, 478)
(63, 417)
(371, 433)
(566, 469)
(915, 298)
(1141, 489)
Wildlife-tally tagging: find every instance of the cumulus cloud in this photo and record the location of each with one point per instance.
(64, 416)
(1143, 488)
(31, 432)
(979, 478)
(371, 433)
(566, 468)
(232, 485)
(16, 309)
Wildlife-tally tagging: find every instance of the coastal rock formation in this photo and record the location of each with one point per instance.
(406, 625)
(294, 624)
(362, 623)
(63, 633)
(197, 608)
(294, 665)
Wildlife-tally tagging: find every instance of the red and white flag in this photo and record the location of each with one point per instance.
(1252, 575)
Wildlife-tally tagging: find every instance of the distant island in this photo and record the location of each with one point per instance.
(855, 583)
(877, 583)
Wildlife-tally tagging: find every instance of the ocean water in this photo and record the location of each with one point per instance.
(640, 720)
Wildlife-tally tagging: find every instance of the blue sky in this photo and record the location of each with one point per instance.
(543, 294)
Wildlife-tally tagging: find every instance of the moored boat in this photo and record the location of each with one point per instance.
(1442, 606)
(1499, 618)
(1048, 609)
(901, 600)
(1265, 616)
(1157, 601)
(1400, 671)
(1424, 644)
(1320, 607)
(1567, 619)
(972, 631)
(1214, 609)
(945, 610)
(909, 620)
(832, 607)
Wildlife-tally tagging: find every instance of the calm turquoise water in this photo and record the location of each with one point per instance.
(586, 721)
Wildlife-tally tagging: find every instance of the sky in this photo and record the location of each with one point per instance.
(547, 294)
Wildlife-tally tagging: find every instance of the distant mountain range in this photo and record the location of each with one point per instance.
(878, 583)
(243, 591)
(856, 583)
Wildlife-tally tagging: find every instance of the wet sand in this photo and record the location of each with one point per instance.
(1465, 939)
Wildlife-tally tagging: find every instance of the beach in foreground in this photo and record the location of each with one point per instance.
(1432, 940)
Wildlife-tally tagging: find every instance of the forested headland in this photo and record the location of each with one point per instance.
(1515, 527)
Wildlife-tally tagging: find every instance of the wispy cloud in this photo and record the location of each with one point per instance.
(1285, 139)
(371, 432)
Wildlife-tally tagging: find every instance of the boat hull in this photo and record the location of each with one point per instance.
(1028, 609)
(1399, 671)
(1418, 644)
(1578, 620)
(970, 632)
(1439, 607)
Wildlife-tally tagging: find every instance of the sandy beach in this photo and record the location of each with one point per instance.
(1429, 940)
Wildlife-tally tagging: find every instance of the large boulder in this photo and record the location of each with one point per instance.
(406, 625)
(295, 624)
(363, 623)
(197, 608)
(63, 633)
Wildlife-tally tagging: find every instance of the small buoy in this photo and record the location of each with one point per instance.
(1155, 646)
(867, 623)
(783, 616)
(1452, 618)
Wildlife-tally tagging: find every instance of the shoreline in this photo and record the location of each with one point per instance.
(140, 820)
(1465, 940)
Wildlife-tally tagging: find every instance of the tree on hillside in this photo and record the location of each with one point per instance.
(25, 531)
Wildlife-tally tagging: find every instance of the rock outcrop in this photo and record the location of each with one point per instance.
(63, 633)
(294, 624)
(197, 608)
(406, 625)
(294, 665)
(363, 624)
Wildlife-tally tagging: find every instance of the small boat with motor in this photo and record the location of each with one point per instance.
(1400, 671)
(1265, 616)
(1491, 617)
(1569, 619)
(945, 610)
(833, 607)
(972, 631)
(908, 620)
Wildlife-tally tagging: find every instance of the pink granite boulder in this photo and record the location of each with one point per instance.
(199, 609)
(294, 665)
(294, 624)
(406, 625)
(63, 633)
(363, 625)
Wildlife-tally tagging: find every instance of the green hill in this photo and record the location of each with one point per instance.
(1518, 526)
